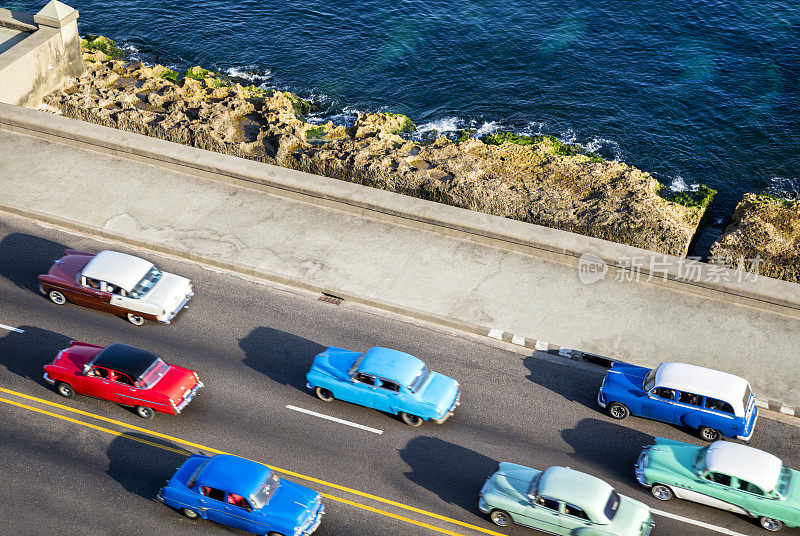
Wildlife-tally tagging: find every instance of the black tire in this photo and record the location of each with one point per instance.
(191, 514)
(771, 524)
(662, 492)
(324, 394)
(274, 534)
(618, 411)
(501, 518)
(65, 389)
(136, 320)
(411, 420)
(144, 412)
(709, 434)
(57, 297)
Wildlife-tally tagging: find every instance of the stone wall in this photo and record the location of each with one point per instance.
(38, 63)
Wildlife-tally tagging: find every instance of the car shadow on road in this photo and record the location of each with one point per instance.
(23, 257)
(141, 467)
(439, 466)
(611, 445)
(574, 384)
(281, 356)
(25, 354)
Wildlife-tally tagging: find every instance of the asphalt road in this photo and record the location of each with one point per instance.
(252, 345)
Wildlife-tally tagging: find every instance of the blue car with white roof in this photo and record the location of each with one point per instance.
(716, 404)
(386, 380)
(242, 494)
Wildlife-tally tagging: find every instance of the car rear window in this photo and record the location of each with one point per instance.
(420, 379)
(612, 505)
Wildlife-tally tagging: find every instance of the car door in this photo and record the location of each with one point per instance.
(213, 503)
(87, 292)
(542, 513)
(124, 391)
(237, 513)
(688, 410)
(97, 384)
(714, 489)
(387, 396)
(361, 390)
(659, 404)
(719, 415)
(572, 518)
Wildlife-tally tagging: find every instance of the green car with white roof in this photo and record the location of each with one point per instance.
(560, 500)
(725, 475)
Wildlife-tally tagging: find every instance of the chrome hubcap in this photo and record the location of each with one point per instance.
(661, 492)
(618, 411)
(770, 524)
(57, 297)
(711, 435)
(500, 518)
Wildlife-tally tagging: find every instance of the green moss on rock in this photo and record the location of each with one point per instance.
(702, 198)
(301, 106)
(465, 134)
(407, 126)
(166, 73)
(101, 43)
(558, 147)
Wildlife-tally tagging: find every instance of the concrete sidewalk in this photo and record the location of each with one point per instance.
(394, 266)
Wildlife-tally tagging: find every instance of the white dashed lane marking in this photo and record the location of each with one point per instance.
(334, 419)
(709, 526)
(9, 328)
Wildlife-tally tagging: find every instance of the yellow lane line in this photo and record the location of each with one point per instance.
(216, 451)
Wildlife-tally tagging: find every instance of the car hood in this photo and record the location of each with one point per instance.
(335, 362)
(674, 457)
(176, 382)
(168, 292)
(631, 515)
(624, 377)
(292, 502)
(512, 480)
(440, 390)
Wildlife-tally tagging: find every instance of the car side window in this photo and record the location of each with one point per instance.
(364, 378)
(574, 511)
(389, 386)
(718, 405)
(113, 289)
(719, 478)
(664, 392)
(98, 372)
(212, 493)
(550, 504)
(690, 398)
(749, 487)
(238, 500)
(92, 283)
(123, 378)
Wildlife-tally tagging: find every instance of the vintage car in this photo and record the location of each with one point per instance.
(242, 494)
(123, 374)
(560, 500)
(725, 475)
(715, 403)
(116, 282)
(387, 380)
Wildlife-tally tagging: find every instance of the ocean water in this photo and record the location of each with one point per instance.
(693, 92)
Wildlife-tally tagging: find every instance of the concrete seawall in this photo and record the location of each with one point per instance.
(470, 270)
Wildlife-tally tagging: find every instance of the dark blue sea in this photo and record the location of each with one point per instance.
(695, 92)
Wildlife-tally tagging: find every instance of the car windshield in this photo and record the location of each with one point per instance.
(354, 367)
(649, 381)
(420, 379)
(533, 489)
(612, 505)
(147, 282)
(784, 482)
(151, 376)
(699, 463)
(260, 498)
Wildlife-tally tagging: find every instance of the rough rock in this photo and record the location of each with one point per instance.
(765, 228)
(533, 183)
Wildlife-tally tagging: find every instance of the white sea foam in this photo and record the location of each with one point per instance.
(597, 145)
(250, 73)
(448, 124)
(679, 185)
(785, 187)
(487, 128)
(569, 136)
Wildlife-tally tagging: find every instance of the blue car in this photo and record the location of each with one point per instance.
(387, 380)
(715, 403)
(242, 494)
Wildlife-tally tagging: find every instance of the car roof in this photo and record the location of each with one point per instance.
(123, 358)
(117, 268)
(391, 364)
(704, 381)
(745, 462)
(233, 474)
(578, 489)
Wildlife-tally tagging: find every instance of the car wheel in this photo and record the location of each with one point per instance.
(188, 512)
(772, 525)
(57, 297)
(65, 390)
(709, 434)
(274, 534)
(144, 412)
(662, 492)
(411, 420)
(618, 411)
(136, 320)
(501, 518)
(324, 394)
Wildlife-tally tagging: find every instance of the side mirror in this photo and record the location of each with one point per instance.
(86, 369)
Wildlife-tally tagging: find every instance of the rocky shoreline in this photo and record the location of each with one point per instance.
(534, 179)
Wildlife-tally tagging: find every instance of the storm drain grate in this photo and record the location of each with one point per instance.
(330, 298)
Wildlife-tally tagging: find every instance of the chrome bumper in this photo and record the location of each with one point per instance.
(188, 398)
(450, 411)
(639, 467)
(753, 429)
(482, 506)
(601, 400)
(316, 519)
(179, 307)
(48, 379)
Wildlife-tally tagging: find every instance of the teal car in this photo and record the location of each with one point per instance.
(725, 475)
(560, 500)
